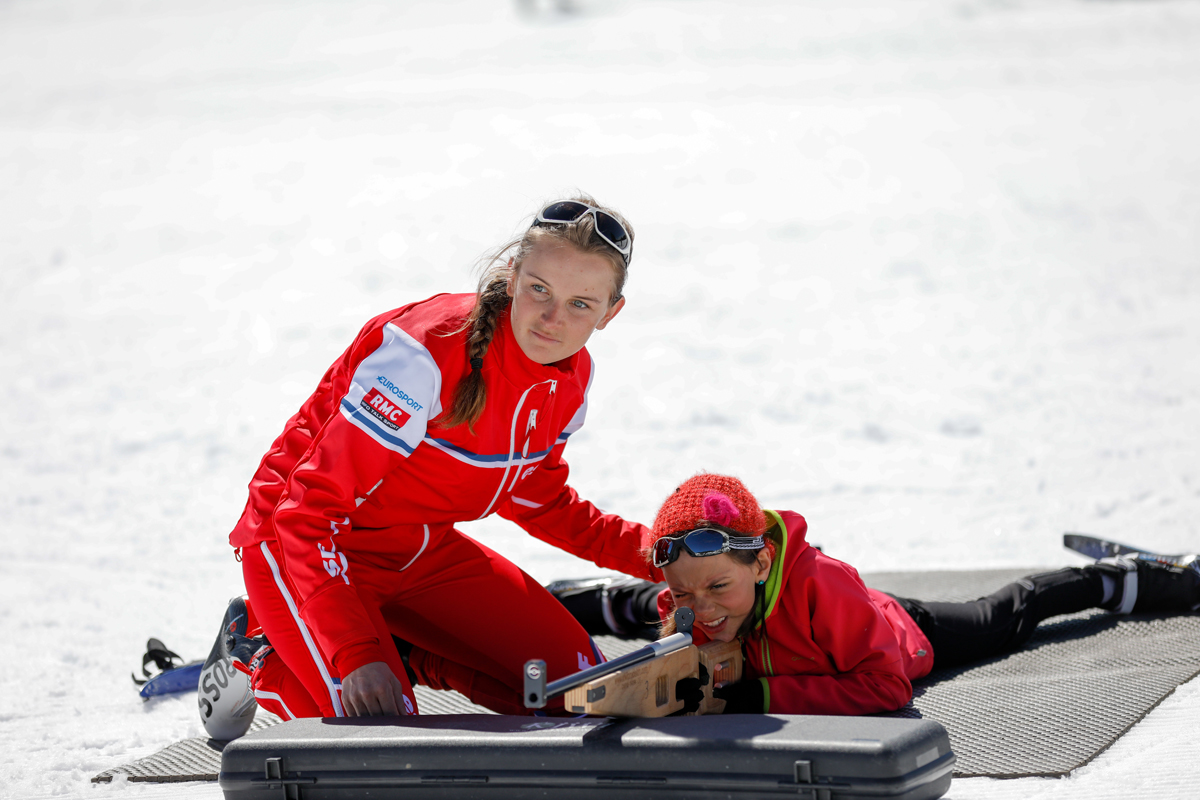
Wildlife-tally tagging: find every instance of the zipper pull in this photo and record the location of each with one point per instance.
(532, 421)
(553, 386)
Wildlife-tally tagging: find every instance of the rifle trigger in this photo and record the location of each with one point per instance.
(703, 675)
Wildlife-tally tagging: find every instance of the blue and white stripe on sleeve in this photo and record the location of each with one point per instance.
(395, 392)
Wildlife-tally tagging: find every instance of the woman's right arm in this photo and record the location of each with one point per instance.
(373, 690)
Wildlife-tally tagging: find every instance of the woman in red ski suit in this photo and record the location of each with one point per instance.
(444, 410)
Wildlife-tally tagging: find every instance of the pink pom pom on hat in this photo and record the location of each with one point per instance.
(719, 509)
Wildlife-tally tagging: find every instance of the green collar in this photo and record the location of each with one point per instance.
(775, 578)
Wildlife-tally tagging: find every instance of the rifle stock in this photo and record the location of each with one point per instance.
(648, 689)
(642, 683)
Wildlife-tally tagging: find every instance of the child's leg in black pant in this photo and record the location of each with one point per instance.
(607, 606)
(1001, 622)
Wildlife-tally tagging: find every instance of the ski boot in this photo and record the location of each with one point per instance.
(624, 607)
(405, 648)
(1150, 585)
(227, 703)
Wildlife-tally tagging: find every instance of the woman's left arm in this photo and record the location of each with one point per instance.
(548, 509)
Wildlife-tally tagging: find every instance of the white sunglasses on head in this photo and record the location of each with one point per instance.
(608, 227)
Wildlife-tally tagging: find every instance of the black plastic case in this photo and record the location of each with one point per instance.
(485, 756)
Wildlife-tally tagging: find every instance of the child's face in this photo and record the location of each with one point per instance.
(560, 295)
(718, 589)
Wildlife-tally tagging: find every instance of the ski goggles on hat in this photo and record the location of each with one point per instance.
(608, 227)
(701, 542)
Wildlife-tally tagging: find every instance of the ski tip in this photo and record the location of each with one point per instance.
(180, 679)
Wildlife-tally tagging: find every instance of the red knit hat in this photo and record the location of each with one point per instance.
(710, 499)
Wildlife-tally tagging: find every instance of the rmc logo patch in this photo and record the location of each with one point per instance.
(383, 409)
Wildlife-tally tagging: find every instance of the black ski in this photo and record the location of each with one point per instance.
(1095, 547)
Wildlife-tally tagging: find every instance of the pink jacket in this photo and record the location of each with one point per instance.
(828, 645)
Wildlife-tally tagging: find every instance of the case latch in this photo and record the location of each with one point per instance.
(274, 779)
(806, 780)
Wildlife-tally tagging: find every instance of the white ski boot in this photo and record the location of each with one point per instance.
(1146, 584)
(227, 703)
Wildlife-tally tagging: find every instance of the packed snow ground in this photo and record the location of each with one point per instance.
(927, 272)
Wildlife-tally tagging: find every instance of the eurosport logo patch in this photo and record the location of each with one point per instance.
(383, 409)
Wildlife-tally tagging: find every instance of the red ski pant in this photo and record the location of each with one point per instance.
(473, 617)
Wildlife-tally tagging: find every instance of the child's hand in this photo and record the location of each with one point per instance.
(688, 690)
(742, 697)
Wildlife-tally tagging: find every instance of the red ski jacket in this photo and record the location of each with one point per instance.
(828, 644)
(359, 469)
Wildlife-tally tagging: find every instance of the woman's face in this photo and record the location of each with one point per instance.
(559, 296)
(719, 589)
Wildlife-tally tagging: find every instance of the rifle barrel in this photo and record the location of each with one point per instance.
(537, 692)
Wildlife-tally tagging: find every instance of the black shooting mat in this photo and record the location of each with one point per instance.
(1080, 683)
(195, 759)
(199, 758)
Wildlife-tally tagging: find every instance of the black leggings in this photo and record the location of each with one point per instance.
(962, 633)
(959, 632)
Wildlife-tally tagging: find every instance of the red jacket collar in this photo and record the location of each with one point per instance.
(518, 368)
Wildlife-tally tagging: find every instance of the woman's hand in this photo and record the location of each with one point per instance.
(372, 690)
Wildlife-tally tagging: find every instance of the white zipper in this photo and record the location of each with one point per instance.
(529, 427)
(512, 444)
(524, 455)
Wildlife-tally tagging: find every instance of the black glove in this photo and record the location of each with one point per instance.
(688, 690)
(743, 697)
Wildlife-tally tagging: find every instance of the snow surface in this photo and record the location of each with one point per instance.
(924, 270)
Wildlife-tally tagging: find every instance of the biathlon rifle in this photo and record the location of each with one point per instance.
(643, 683)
